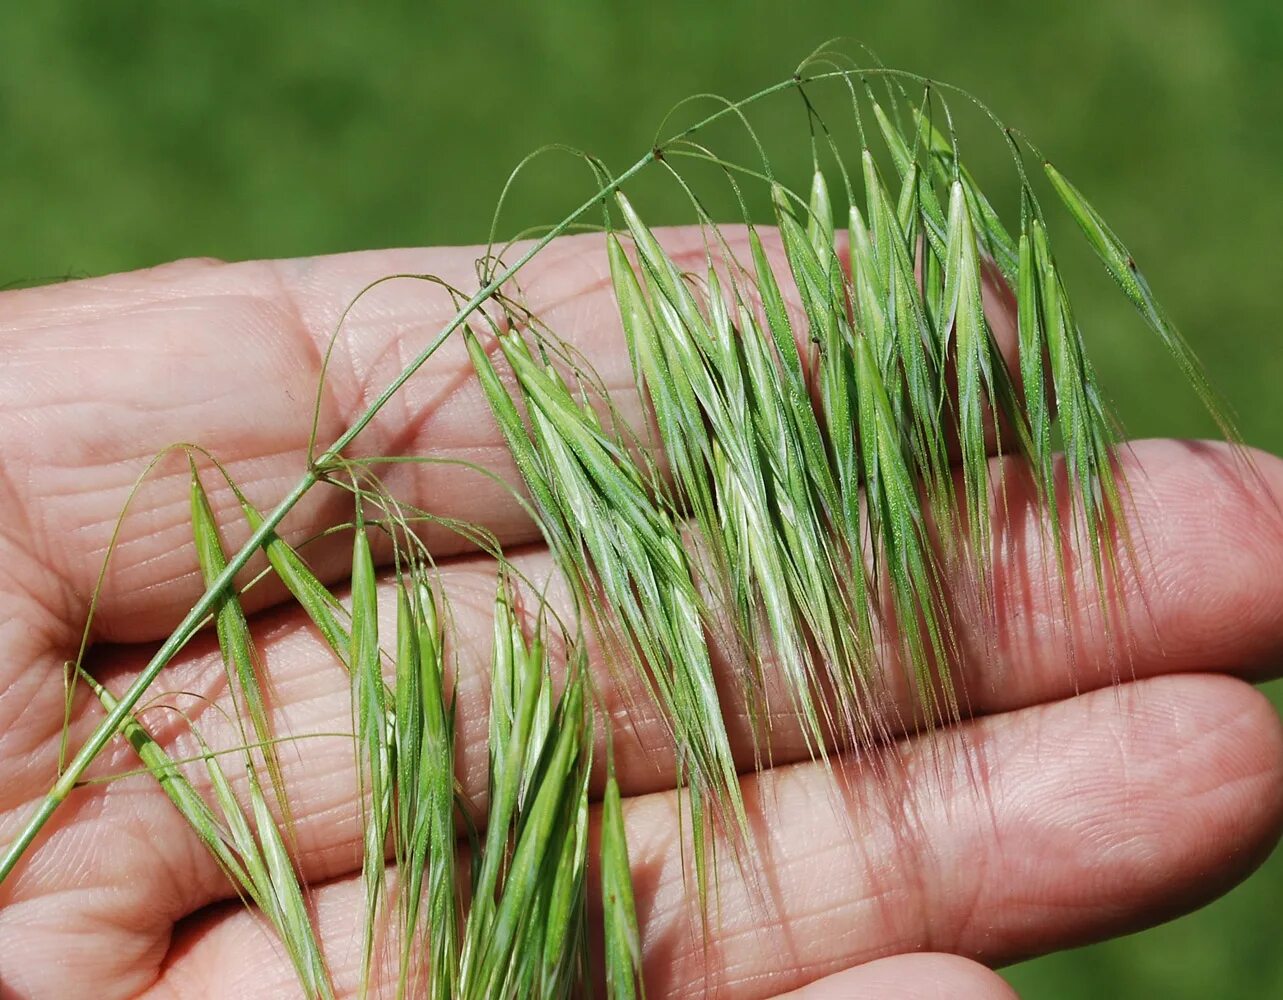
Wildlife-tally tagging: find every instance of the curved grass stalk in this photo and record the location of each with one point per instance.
(191, 622)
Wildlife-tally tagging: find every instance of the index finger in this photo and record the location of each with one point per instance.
(97, 376)
(110, 371)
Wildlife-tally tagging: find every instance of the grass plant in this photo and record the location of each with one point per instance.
(823, 519)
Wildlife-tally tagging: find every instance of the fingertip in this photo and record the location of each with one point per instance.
(1244, 796)
(1187, 790)
(1202, 576)
(926, 976)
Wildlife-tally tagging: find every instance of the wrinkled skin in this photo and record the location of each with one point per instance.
(1067, 811)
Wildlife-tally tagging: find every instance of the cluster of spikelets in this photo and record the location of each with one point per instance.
(823, 517)
(822, 520)
(525, 930)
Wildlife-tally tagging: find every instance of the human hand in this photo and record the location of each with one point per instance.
(1055, 818)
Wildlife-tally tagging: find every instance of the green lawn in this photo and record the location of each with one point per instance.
(132, 133)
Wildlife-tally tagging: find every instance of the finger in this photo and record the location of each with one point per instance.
(221, 954)
(1202, 595)
(909, 977)
(1070, 822)
(1038, 830)
(1208, 598)
(225, 952)
(229, 356)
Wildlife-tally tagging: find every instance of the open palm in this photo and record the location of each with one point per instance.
(1066, 812)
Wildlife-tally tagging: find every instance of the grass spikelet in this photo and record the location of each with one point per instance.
(234, 638)
(312, 596)
(936, 228)
(1122, 268)
(262, 851)
(562, 934)
(906, 560)
(550, 817)
(512, 743)
(990, 229)
(918, 346)
(252, 853)
(622, 936)
(423, 771)
(180, 792)
(1032, 338)
(831, 332)
(370, 730)
(286, 903)
(1084, 423)
(973, 350)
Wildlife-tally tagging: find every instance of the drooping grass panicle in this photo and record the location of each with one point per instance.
(827, 514)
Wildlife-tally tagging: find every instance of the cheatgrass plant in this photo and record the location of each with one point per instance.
(826, 400)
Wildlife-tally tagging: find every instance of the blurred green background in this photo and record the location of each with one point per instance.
(132, 133)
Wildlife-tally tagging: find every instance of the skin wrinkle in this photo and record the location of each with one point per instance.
(55, 604)
(34, 726)
(50, 532)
